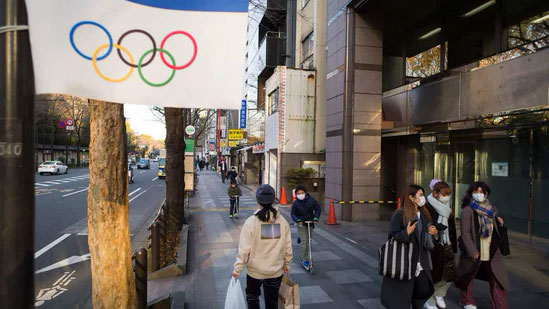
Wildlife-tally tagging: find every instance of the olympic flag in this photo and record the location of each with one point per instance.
(174, 53)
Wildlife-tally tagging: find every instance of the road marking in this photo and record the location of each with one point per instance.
(74, 192)
(134, 191)
(137, 196)
(142, 172)
(56, 290)
(155, 178)
(51, 245)
(52, 182)
(354, 242)
(41, 184)
(66, 262)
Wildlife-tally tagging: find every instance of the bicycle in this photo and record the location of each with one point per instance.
(310, 268)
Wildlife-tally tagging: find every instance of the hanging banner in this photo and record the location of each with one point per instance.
(170, 52)
(243, 112)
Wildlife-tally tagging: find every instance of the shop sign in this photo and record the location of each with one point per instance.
(243, 115)
(259, 148)
(233, 143)
(236, 134)
(500, 169)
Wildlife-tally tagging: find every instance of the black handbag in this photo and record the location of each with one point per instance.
(503, 240)
(395, 260)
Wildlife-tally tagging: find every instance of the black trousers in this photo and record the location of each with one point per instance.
(233, 208)
(270, 287)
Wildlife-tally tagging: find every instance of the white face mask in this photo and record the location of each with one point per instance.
(479, 197)
(301, 197)
(421, 201)
(444, 199)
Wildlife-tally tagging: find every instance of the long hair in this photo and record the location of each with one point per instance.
(468, 196)
(409, 208)
(265, 213)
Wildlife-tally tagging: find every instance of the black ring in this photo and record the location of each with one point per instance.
(143, 32)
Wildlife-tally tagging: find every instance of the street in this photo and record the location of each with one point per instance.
(62, 270)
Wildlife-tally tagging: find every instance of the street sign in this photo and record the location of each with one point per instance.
(69, 122)
(243, 112)
(233, 143)
(189, 147)
(236, 134)
(190, 130)
(61, 124)
(212, 140)
(69, 128)
(258, 148)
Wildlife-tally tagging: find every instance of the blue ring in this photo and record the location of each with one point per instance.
(87, 22)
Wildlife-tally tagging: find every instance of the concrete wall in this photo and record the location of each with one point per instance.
(294, 160)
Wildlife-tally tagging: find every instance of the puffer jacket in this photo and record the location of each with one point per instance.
(307, 209)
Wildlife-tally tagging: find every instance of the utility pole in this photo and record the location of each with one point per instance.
(16, 159)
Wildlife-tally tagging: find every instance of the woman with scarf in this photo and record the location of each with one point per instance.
(444, 267)
(480, 252)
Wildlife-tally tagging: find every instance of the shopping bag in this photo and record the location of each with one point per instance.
(288, 295)
(235, 298)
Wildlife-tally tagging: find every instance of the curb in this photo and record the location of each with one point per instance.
(178, 268)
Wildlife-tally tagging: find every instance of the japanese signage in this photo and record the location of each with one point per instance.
(189, 147)
(236, 134)
(259, 148)
(500, 169)
(233, 143)
(243, 112)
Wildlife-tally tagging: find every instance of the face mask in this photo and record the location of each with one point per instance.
(421, 201)
(444, 199)
(479, 197)
(301, 197)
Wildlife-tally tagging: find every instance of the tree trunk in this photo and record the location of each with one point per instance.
(113, 283)
(175, 169)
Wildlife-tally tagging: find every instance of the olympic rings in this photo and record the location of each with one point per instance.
(139, 31)
(94, 58)
(94, 62)
(87, 22)
(139, 66)
(194, 52)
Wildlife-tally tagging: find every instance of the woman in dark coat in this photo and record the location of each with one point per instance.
(444, 266)
(401, 294)
(480, 252)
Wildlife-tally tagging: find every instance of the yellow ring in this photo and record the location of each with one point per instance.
(112, 80)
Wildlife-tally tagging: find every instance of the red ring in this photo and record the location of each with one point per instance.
(173, 67)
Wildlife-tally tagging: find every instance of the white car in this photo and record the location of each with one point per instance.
(53, 167)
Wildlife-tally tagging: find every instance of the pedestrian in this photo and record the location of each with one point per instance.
(232, 174)
(201, 165)
(207, 165)
(234, 194)
(443, 255)
(265, 248)
(480, 252)
(304, 208)
(410, 225)
(223, 169)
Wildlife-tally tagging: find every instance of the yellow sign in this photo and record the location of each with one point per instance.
(233, 143)
(222, 143)
(236, 134)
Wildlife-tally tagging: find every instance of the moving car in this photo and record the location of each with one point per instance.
(53, 167)
(155, 159)
(130, 173)
(161, 168)
(143, 164)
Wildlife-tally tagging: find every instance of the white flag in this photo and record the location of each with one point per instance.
(175, 53)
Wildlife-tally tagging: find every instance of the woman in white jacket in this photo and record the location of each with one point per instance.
(265, 248)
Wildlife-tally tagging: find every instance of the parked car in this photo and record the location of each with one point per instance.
(53, 167)
(155, 160)
(144, 164)
(130, 173)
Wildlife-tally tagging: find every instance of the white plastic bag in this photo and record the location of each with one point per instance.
(235, 298)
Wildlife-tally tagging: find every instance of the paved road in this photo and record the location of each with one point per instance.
(62, 269)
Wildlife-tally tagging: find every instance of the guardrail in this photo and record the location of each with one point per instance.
(140, 269)
(332, 218)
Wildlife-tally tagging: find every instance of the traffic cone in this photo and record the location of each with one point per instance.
(293, 195)
(283, 197)
(331, 216)
(398, 203)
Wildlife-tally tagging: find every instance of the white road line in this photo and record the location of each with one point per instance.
(41, 184)
(137, 196)
(51, 245)
(134, 191)
(354, 242)
(142, 172)
(63, 180)
(52, 182)
(155, 178)
(74, 192)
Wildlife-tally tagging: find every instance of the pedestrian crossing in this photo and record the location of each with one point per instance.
(50, 183)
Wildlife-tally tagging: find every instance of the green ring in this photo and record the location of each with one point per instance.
(141, 73)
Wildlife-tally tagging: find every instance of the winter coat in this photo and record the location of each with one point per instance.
(398, 293)
(307, 209)
(469, 268)
(443, 257)
(232, 175)
(265, 248)
(234, 191)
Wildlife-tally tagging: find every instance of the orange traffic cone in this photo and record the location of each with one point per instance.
(293, 195)
(283, 197)
(331, 216)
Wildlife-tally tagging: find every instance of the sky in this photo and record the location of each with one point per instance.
(142, 121)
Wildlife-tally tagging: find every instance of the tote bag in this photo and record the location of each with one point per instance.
(395, 260)
(288, 295)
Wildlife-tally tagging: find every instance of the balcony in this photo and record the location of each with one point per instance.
(271, 53)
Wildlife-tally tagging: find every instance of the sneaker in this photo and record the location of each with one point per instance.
(427, 306)
(231, 216)
(440, 302)
(305, 264)
(469, 307)
(298, 240)
(236, 215)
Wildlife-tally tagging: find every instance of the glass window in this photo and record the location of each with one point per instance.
(307, 49)
(540, 184)
(427, 63)
(273, 102)
(529, 31)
